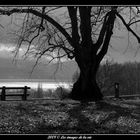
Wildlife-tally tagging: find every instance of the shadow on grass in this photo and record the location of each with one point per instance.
(105, 106)
(83, 124)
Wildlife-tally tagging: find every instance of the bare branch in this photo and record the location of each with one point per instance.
(128, 27)
(102, 33)
(109, 32)
(129, 24)
(37, 13)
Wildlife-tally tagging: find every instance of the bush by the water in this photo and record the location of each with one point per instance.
(61, 93)
(39, 93)
(58, 93)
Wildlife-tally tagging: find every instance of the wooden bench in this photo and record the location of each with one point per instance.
(24, 95)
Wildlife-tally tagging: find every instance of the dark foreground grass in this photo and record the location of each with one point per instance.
(70, 117)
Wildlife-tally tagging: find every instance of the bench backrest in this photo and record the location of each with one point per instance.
(15, 87)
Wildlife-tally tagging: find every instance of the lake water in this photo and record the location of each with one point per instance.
(34, 84)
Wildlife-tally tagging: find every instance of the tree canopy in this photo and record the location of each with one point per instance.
(82, 33)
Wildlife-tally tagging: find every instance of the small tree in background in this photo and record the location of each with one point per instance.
(39, 93)
(61, 93)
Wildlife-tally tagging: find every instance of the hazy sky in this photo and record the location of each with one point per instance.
(121, 50)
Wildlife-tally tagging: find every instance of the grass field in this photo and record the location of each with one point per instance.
(70, 117)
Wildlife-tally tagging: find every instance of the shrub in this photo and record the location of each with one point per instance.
(58, 93)
(61, 93)
(39, 93)
(48, 93)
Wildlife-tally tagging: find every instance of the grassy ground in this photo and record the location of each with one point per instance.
(70, 117)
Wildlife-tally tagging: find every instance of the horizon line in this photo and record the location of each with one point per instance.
(35, 80)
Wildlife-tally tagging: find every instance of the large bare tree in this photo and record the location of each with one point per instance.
(83, 34)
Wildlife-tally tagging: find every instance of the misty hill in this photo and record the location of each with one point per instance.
(22, 70)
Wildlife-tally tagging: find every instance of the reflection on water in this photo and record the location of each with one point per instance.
(34, 85)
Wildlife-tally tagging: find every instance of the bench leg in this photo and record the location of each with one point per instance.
(3, 94)
(25, 93)
(24, 98)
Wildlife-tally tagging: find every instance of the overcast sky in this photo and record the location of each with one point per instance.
(121, 51)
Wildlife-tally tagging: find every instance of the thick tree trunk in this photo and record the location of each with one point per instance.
(86, 88)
